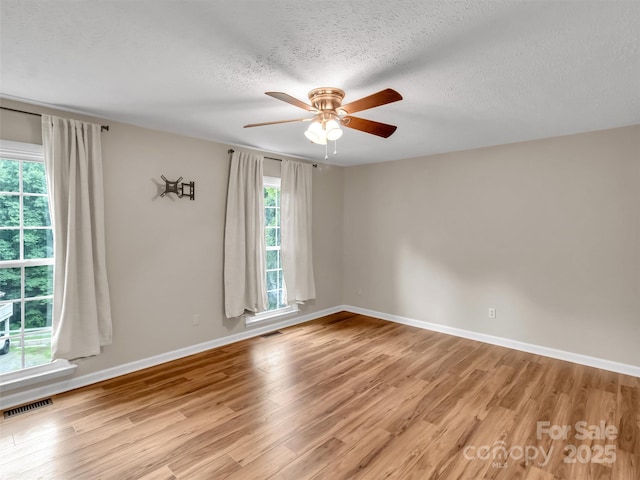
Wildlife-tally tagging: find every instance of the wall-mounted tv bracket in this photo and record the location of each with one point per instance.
(180, 189)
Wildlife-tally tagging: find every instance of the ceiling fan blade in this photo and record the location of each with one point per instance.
(369, 126)
(278, 121)
(293, 101)
(375, 100)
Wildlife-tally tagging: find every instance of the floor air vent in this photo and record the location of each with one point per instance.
(271, 334)
(27, 408)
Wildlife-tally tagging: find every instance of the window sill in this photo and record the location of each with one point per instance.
(40, 373)
(261, 317)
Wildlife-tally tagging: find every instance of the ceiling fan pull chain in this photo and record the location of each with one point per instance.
(326, 155)
(335, 147)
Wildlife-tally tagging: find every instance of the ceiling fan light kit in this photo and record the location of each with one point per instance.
(330, 114)
(316, 134)
(324, 126)
(334, 132)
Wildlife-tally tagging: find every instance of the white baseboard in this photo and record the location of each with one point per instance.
(36, 393)
(19, 398)
(612, 366)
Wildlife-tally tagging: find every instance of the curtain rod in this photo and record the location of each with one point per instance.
(231, 150)
(102, 127)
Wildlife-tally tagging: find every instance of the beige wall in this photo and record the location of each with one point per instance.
(547, 232)
(165, 255)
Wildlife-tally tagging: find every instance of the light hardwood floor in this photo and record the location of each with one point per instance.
(343, 397)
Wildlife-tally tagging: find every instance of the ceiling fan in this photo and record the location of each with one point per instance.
(329, 113)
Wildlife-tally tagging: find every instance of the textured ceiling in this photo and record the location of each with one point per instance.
(473, 73)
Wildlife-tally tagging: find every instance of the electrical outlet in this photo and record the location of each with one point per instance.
(492, 313)
(196, 319)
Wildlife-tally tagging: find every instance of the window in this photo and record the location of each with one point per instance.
(26, 258)
(276, 290)
(276, 293)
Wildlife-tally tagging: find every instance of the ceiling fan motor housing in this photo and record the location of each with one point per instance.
(326, 98)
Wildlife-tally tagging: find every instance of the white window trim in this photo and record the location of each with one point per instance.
(253, 318)
(32, 375)
(56, 368)
(271, 181)
(21, 151)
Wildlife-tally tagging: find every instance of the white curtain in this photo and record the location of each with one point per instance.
(244, 242)
(296, 246)
(81, 308)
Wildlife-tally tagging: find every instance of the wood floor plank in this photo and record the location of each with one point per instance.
(266, 465)
(381, 401)
(357, 458)
(401, 453)
(628, 419)
(163, 473)
(308, 465)
(207, 466)
(345, 396)
(286, 423)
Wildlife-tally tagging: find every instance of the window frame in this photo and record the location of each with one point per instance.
(267, 182)
(24, 152)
